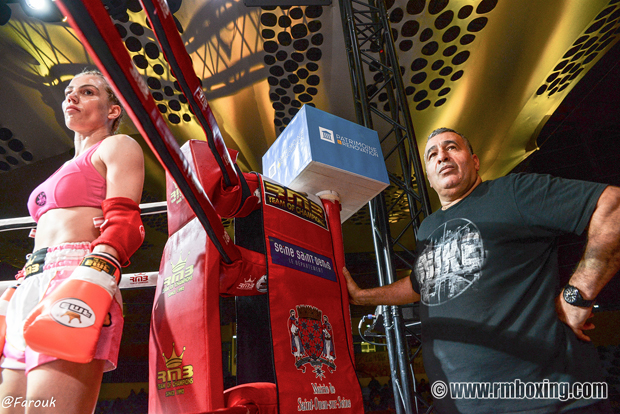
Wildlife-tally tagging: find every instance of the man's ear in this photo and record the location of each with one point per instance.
(476, 162)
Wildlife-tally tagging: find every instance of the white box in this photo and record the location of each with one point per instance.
(318, 151)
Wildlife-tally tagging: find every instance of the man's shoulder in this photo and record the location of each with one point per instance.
(488, 195)
(525, 182)
(511, 178)
(491, 190)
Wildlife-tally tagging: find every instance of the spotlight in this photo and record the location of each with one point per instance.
(45, 10)
(5, 13)
(38, 4)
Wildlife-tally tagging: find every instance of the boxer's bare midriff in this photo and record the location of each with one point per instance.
(66, 225)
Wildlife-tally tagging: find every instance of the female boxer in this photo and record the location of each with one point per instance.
(64, 322)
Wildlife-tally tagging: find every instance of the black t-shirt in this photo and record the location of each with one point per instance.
(487, 275)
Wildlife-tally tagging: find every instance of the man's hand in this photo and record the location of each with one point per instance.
(575, 317)
(352, 287)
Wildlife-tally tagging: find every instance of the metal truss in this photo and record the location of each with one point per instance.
(371, 53)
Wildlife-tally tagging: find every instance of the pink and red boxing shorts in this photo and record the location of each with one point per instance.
(45, 271)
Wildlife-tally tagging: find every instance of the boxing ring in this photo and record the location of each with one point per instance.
(129, 280)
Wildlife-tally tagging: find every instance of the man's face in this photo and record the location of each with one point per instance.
(451, 169)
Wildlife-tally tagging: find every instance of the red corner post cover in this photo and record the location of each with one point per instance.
(313, 363)
(261, 395)
(185, 350)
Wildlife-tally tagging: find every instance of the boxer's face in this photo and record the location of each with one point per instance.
(86, 106)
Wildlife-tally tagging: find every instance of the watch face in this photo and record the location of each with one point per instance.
(570, 294)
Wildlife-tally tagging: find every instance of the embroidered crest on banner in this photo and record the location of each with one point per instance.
(291, 201)
(312, 340)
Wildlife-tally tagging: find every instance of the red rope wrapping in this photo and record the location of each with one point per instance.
(94, 28)
(172, 45)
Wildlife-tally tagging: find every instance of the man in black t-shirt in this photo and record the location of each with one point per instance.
(486, 277)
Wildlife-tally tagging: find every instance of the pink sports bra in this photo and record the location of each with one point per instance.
(76, 184)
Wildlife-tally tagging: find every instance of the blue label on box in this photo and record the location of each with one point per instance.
(345, 145)
(304, 260)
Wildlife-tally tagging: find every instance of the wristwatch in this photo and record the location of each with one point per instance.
(572, 296)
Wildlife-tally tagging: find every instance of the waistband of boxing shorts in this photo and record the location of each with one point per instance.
(34, 263)
(62, 255)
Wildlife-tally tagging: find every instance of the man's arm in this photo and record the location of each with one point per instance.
(600, 261)
(397, 293)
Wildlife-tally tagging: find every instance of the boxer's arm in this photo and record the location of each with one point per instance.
(123, 163)
(398, 293)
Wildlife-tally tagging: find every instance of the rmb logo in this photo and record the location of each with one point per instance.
(295, 203)
(139, 279)
(179, 271)
(327, 135)
(164, 7)
(200, 96)
(247, 284)
(174, 360)
(176, 196)
(312, 340)
(182, 273)
(175, 374)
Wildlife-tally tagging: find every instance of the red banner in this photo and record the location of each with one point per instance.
(314, 367)
(185, 350)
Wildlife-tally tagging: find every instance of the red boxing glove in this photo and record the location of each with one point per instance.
(122, 227)
(67, 323)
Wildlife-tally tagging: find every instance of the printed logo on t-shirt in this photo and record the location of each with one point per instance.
(41, 199)
(450, 263)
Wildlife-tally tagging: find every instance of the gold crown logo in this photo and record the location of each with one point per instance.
(250, 280)
(174, 360)
(180, 263)
(309, 312)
